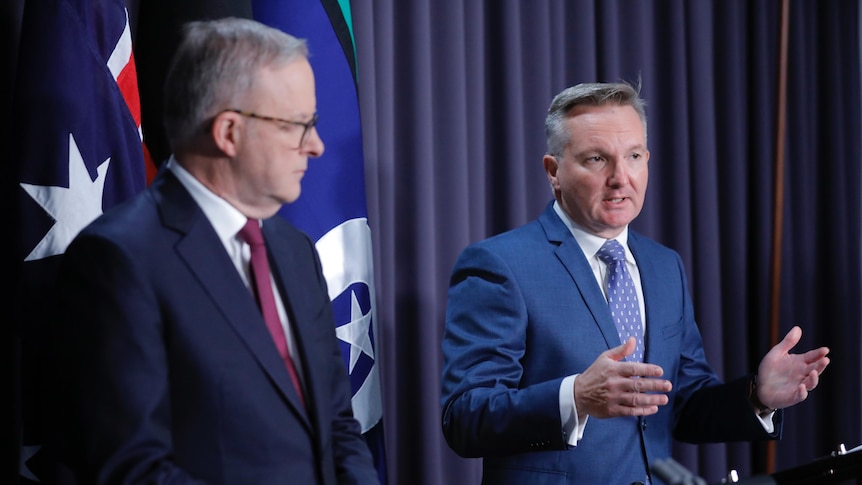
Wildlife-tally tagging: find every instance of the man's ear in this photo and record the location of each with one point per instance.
(551, 165)
(225, 132)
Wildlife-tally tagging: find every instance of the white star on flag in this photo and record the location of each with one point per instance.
(72, 208)
(355, 333)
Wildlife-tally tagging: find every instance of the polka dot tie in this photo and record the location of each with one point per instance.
(622, 297)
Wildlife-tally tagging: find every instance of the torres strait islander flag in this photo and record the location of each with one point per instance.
(77, 150)
(332, 208)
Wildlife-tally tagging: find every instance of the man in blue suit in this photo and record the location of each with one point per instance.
(173, 375)
(539, 380)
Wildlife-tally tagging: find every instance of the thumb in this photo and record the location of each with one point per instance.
(789, 341)
(620, 352)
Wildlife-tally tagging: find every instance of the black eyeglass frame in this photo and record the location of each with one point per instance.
(306, 125)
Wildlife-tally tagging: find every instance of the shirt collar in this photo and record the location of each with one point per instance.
(590, 243)
(225, 218)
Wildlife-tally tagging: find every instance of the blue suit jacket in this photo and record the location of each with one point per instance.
(173, 376)
(525, 311)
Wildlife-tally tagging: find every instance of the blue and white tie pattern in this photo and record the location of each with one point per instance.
(622, 297)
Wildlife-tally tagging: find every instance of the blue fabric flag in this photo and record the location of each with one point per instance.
(77, 148)
(332, 208)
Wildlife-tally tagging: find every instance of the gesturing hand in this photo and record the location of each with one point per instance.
(785, 379)
(611, 388)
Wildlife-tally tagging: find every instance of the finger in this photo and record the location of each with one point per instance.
(813, 356)
(642, 404)
(811, 381)
(631, 400)
(790, 340)
(651, 385)
(637, 369)
(818, 365)
(620, 352)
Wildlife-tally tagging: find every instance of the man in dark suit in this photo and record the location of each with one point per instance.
(173, 374)
(539, 377)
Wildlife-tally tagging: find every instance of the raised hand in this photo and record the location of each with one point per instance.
(610, 388)
(785, 379)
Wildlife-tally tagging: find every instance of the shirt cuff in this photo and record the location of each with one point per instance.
(765, 419)
(572, 427)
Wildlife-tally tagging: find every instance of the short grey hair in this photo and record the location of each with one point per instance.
(588, 94)
(215, 65)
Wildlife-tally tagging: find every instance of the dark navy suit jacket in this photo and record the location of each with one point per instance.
(172, 374)
(525, 311)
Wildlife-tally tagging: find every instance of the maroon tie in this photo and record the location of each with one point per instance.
(251, 234)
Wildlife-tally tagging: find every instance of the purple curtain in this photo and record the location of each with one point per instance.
(453, 96)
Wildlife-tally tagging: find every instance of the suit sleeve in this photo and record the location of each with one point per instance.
(708, 410)
(486, 411)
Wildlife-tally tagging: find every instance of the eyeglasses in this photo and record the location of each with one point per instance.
(306, 126)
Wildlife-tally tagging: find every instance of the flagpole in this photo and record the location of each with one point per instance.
(778, 206)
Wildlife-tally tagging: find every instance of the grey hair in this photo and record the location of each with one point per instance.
(588, 94)
(215, 65)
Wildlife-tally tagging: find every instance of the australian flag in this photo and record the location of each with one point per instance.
(77, 149)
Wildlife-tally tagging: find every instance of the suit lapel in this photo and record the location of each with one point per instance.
(291, 289)
(648, 274)
(202, 251)
(571, 256)
(294, 289)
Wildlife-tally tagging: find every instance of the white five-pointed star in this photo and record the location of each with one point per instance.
(356, 332)
(72, 208)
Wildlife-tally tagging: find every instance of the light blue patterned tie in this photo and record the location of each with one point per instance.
(622, 297)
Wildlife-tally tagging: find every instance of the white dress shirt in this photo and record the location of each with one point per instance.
(227, 222)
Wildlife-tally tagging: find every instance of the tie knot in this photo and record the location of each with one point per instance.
(612, 251)
(251, 233)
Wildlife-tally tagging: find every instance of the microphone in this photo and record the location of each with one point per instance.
(672, 473)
